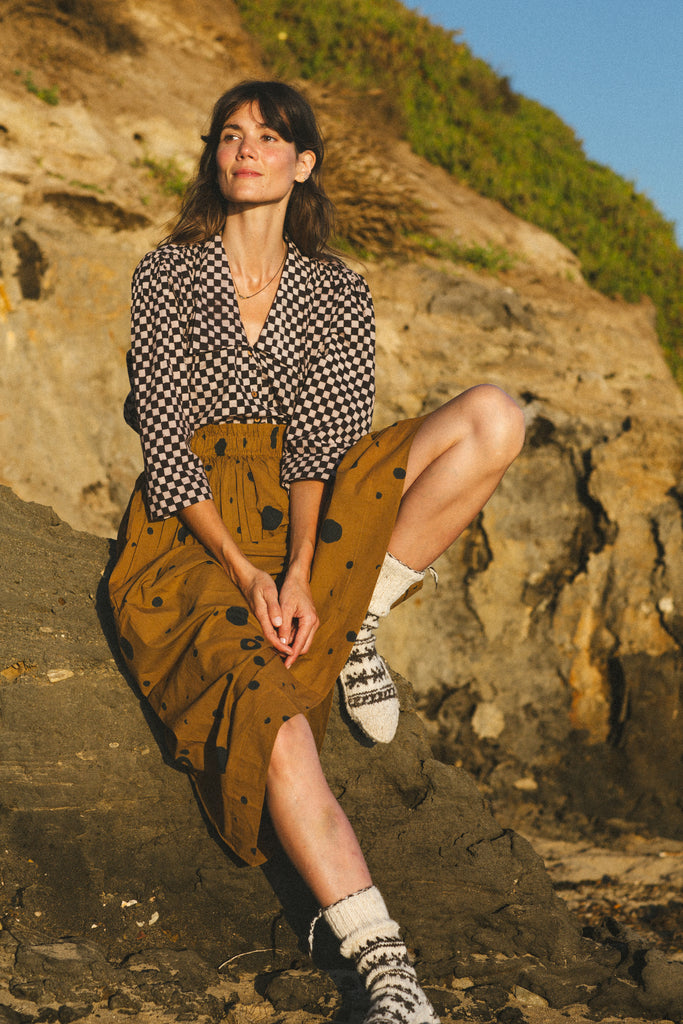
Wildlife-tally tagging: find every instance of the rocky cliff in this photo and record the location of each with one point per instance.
(116, 898)
(548, 662)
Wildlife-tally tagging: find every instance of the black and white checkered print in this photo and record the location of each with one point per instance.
(190, 364)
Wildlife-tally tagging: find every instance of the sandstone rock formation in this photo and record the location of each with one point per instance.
(554, 634)
(548, 663)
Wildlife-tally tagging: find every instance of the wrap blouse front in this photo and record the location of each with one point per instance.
(190, 364)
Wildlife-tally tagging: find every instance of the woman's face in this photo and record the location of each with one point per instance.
(255, 164)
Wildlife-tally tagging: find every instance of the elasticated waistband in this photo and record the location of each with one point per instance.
(238, 439)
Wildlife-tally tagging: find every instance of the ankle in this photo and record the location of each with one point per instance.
(394, 579)
(359, 917)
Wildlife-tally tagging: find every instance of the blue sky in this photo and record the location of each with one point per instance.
(611, 69)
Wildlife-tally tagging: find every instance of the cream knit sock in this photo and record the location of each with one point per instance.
(367, 687)
(368, 935)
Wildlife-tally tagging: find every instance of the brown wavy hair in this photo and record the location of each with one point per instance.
(310, 215)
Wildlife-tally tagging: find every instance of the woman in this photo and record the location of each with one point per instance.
(269, 530)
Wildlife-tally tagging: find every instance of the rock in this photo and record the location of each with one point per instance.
(562, 604)
(69, 969)
(510, 1015)
(443, 1000)
(616, 996)
(10, 1016)
(181, 967)
(66, 1014)
(488, 721)
(486, 304)
(124, 1003)
(460, 884)
(493, 996)
(663, 984)
(102, 837)
(306, 990)
(475, 887)
(558, 606)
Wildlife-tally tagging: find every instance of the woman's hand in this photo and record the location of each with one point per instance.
(299, 617)
(260, 593)
(256, 586)
(288, 620)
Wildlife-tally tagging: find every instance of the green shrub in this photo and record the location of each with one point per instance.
(49, 94)
(493, 258)
(170, 178)
(458, 113)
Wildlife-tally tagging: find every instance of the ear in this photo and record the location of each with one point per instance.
(305, 164)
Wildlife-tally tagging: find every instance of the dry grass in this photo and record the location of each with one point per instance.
(376, 212)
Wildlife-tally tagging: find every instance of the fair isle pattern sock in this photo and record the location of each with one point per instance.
(390, 979)
(366, 685)
(367, 934)
(368, 689)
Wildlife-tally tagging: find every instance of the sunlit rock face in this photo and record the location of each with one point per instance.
(548, 662)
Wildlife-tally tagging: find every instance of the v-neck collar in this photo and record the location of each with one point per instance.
(293, 273)
(214, 311)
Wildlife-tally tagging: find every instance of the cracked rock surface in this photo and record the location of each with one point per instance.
(116, 900)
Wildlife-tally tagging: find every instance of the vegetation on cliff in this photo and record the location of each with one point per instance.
(457, 112)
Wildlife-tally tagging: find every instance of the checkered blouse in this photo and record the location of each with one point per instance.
(190, 364)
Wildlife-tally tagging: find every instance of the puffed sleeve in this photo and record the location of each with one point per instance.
(174, 476)
(334, 406)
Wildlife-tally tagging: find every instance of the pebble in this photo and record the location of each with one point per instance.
(526, 785)
(58, 675)
(124, 1002)
(66, 1014)
(527, 998)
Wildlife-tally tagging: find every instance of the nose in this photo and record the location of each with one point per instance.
(245, 148)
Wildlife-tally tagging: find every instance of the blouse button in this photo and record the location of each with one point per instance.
(254, 394)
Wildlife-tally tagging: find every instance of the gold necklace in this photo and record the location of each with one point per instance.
(265, 285)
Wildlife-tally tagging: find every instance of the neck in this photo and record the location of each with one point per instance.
(253, 241)
(256, 257)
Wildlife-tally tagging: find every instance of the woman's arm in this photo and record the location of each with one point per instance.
(159, 374)
(334, 403)
(258, 588)
(299, 617)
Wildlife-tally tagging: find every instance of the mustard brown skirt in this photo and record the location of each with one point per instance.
(194, 647)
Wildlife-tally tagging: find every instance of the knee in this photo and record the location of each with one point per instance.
(499, 422)
(294, 747)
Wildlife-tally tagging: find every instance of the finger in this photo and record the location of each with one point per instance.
(269, 615)
(274, 612)
(286, 630)
(273, 638)
(306, 630)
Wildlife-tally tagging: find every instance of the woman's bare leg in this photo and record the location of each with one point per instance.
(322, 846)
(314, 832)
(457, 459)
